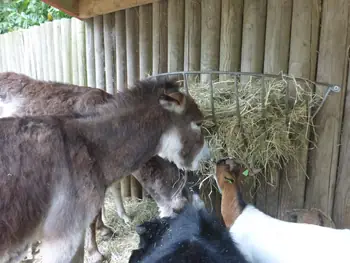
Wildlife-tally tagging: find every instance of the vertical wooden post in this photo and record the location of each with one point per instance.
(108, 27)
(90, 53)
(57, 50)
(192, 35)
(145, 40)
(278, 25)
(302, 63)
(160, 36)
(99, 52)
(66, 50)
(132, 51)
(49, 37)
(324, 160)
(74, 56)
(253, 36)
(120, 36)
(210, 37)
(31, 49)
(38, 53)
(81, 52)
(231, 36)
(176, 25)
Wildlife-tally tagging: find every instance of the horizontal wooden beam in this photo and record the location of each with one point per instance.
(90, 8)
(70, 7)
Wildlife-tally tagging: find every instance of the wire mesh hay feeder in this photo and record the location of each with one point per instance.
(262, 120)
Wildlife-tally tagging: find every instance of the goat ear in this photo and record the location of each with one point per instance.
(174, 102)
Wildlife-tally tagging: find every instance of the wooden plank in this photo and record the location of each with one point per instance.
(66, 50)
(38, 53)
(231, 36)
(90, 8)
(278, 25)
(90, 53)
(160, 36)
(49, 39)
(302, 63)
(57, 50)
(99, 52)
(176, 25)
(120, 36)
(81, 52)
(74, 47)
(253, 36)
(2, 54)
(109, 46)
(132, 51)
(210, 36)
(324, 160)
(341, 207)
(192, 35)
(31, 49)
(145, 40)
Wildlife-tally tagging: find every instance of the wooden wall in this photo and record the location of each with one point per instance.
(307, 39)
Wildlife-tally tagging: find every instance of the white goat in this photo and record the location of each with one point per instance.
(263, 239)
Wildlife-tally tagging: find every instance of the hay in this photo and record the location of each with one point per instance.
(125, 239)
(273, 127)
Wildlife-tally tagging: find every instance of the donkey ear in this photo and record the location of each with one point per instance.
(174, 102)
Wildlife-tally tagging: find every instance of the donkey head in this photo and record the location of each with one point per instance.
(183, 141)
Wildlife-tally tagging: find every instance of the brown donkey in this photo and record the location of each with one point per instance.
(55, 169)
(160, 178)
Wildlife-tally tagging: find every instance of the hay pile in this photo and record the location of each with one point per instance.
(272, 128)
(125, 239)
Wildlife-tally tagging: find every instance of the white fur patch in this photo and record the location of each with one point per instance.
(171, 146)
(10, 106)
(195, 126)
(203, 154)
(262, 238)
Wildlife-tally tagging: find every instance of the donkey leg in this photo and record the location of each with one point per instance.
(92, 250)
(117, 194)
(63, 248)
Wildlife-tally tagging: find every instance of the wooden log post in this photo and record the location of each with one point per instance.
(278, 24)
(81, 52)
(324, 160)
(192, 55)
(99, 52)
(74, 57)
(38, 53)
(132, 51)
(90, 53)
(253, 37)
(120, 46)
(159, 36)
(44, 51)
(145, 42)
(66, 50)
(231, 36)
(49, 37)
(109, 46)
(302, 63)
(210, 36)
(57, 50)
(120, 38)
(176, 25)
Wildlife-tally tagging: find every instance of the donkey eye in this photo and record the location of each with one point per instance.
(199, 123)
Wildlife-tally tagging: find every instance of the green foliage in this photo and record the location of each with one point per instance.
(16, 14)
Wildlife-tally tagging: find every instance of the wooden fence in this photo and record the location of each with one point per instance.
(304, 38)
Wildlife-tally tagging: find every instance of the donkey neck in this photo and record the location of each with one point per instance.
(122, 143)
